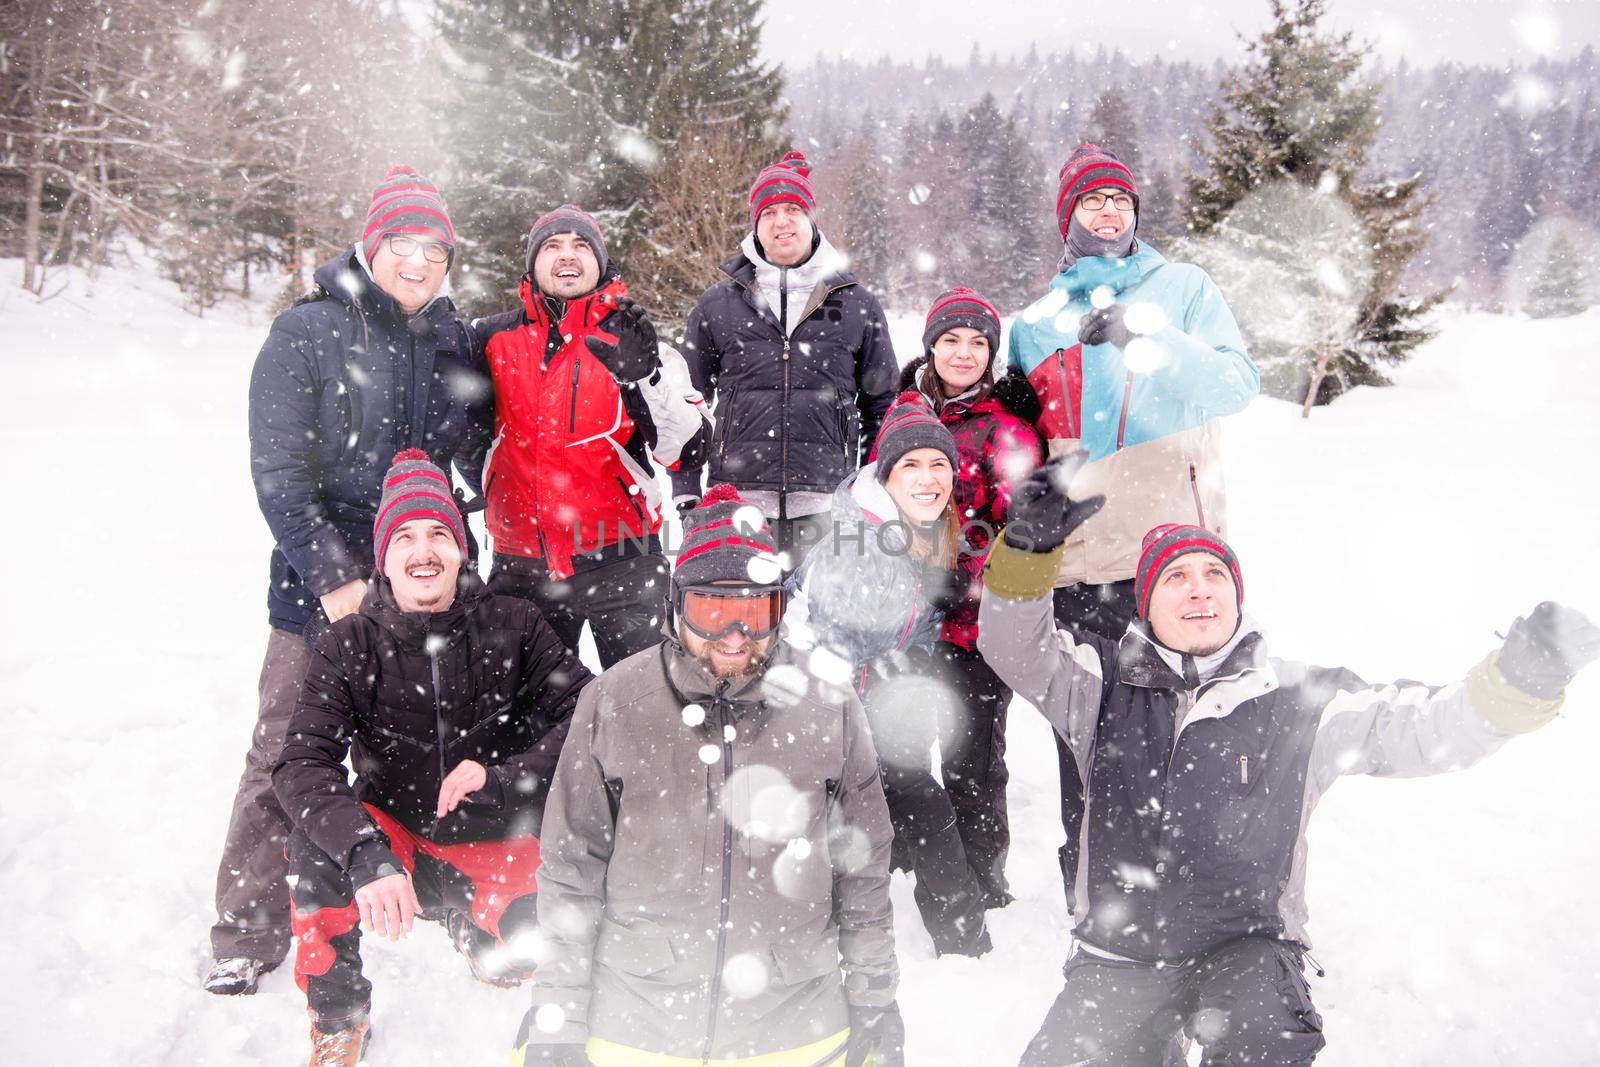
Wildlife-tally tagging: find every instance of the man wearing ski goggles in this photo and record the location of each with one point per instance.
(715, 611)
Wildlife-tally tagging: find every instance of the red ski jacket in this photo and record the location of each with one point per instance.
(569, 472)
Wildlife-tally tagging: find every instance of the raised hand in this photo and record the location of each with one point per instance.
(1043, 512)
(1104, 326)
(625, 341)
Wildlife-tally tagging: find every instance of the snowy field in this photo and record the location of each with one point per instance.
(1394, 533)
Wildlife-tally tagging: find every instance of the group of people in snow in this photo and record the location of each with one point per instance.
(688, 856)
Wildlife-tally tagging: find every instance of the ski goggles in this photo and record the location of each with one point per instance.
(713, 611)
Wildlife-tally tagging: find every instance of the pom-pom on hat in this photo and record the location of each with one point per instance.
(414, 488)
(405, 202)
(910, 424)
(1167, 542)
(722, 538)
(786, 181)
(1090, 167)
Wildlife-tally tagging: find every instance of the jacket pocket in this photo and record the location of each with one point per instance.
(630, 952)
(801, 962)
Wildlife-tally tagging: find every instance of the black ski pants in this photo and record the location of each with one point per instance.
(623, 599)
(1246, 1003)
(973, 750)
(1096, 609)
(903, 713)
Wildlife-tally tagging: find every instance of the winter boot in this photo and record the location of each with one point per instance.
(488, 962)
(342, 1047)
(234, 976)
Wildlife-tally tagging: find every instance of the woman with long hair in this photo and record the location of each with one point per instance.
(867, 601)
(992, 424)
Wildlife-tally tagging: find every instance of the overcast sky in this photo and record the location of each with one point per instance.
(1425, 31)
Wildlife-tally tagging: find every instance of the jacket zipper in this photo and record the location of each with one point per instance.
(727, 876)
(572, 411)
(1194, 487)
(438, 720)
(722, 420)
(1066, 394)
(1122, 420)
(783, 326)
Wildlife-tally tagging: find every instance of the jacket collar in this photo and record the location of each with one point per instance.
(691, 681)
(348, 279)
(1091, 272)
(584, 312)
(423, 630)
(1145, 662)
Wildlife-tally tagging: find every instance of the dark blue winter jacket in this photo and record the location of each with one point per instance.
(344, 381)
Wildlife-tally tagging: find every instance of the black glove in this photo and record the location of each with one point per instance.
(625, 341)
(686, 505)
(1544, 651)
(566, 1055)
(1041, 513)
(878, 1033)
(1104, 326)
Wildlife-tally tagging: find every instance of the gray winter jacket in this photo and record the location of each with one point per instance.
(715, 878)
(858, 593)
(1197, 798)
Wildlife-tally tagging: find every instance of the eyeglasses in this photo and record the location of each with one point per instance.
(403, 246)
(1096, 201)
(713, 611)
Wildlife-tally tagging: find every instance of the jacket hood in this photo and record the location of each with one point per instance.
(1091, 272)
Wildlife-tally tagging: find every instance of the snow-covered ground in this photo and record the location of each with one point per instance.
(1394, 533)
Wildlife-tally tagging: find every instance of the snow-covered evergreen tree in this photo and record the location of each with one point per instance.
(1561, 283)
(1301, 111)
(554, 102)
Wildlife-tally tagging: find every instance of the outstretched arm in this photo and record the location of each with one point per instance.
(1408, 731)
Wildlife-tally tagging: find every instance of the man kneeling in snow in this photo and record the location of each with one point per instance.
(455, 703)
(1204, 759)
(715, 884)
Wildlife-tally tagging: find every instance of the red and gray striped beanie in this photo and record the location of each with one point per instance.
(414, 488)
(910, 424)
(1090, 167)
(405, 202)
(721, 539)
(568, 218)
(962, 307)
(1167, 542)
(786, 181)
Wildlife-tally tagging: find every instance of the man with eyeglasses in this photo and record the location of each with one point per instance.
(1134, 359)
(373, 362)
(715, 879)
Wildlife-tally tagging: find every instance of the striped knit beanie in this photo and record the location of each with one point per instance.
(786, 181)
(405, 202)
(1090, 167)
(959, 307)
(910, 424)
(722, 537)
(414, 488)
(568, 218)
(1167, 542)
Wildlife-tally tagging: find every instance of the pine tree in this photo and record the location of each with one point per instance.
(555, 102)
(1112, 125)
(1562, 285)
(865, 212)
(1299, 111)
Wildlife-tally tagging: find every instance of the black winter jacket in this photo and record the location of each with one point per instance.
(410, 695)
(343, 382)
(795, 413)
